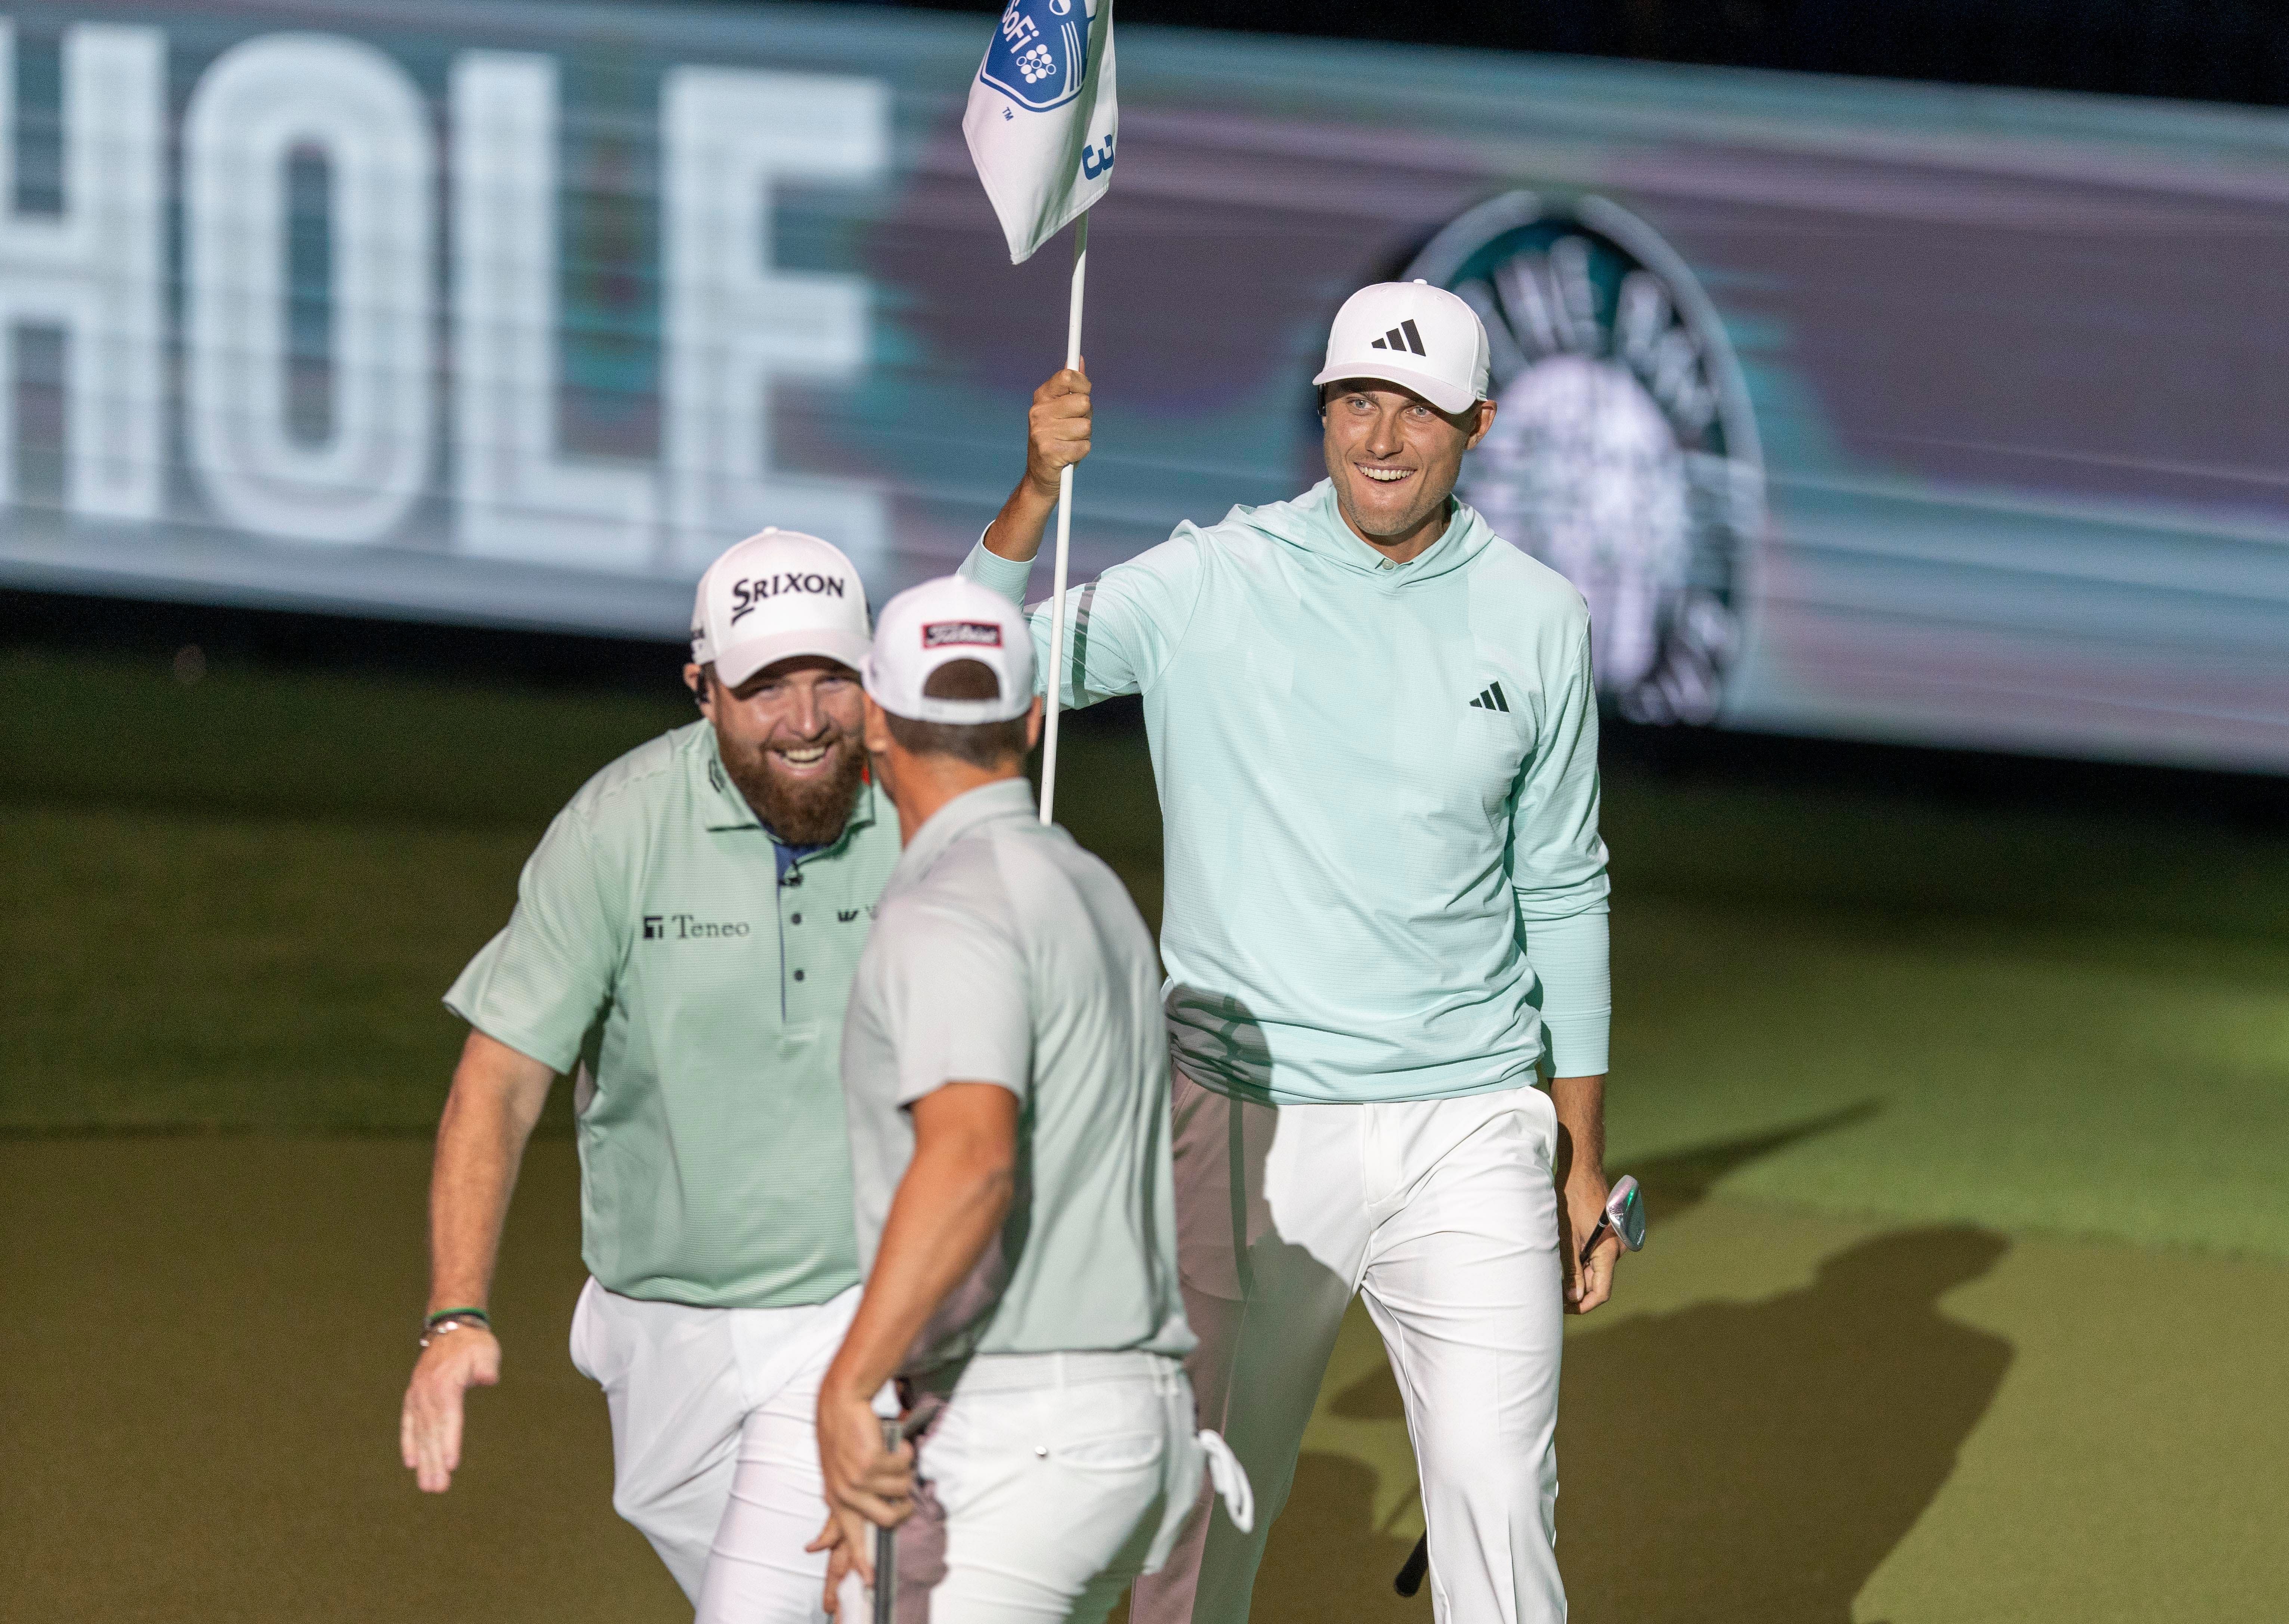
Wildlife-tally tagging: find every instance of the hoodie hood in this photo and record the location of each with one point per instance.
(1313, 523)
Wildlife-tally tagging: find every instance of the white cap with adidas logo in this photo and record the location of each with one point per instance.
(1414, 335)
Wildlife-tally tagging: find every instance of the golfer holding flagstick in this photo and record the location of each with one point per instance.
(1374, 732)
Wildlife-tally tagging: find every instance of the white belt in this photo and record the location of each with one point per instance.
(1004, 1373)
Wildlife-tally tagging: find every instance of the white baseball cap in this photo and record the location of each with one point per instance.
(1414, 335)
(937, 623)
(775, 595)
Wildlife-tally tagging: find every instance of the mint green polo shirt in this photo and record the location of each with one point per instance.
(656, 950)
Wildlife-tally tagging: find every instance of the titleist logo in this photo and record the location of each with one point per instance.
(961, 633)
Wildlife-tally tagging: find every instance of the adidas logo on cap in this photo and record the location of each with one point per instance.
(1403, 337)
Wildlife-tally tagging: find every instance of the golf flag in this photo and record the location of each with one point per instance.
(1042, 118)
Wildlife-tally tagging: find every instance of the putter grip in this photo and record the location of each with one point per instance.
(1418, 1563)
(886, 1547)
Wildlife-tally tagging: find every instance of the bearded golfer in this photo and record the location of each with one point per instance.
(1376, 737)
(684, 940)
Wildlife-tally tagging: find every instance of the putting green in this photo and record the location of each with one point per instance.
(1783, 1419)
(1904, 1083)
(1786, 1419)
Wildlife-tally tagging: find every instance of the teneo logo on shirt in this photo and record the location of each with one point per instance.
(748, 594)
(960, 634)
(689, 928)
(1624, 455)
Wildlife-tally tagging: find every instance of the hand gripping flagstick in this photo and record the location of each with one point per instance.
(1041, 124)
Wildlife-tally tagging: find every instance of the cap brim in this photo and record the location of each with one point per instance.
(1438, 391)
(958, 712)
(748, 655)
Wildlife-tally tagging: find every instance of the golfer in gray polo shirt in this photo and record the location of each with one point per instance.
(1006, 1078)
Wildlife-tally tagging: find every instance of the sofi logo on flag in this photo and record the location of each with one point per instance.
(1039, 56)
(1052, 61)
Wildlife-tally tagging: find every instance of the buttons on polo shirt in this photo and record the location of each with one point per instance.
(794, 878)
(796, 920)
(798, 974)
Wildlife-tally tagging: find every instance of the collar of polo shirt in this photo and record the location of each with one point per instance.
(1002, 798)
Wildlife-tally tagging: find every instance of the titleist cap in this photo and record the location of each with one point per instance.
(774, 596)
(936, 623)
(1414, 335)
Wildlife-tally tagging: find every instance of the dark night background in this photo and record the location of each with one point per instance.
(2217, 51)
(2225, 51)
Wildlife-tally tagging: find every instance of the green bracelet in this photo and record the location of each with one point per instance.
(445, 1320)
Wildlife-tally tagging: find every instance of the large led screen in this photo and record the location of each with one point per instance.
(1881, 411)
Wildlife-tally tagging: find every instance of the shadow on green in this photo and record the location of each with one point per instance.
(1760, 1460)
(1677, 1184)
(1750, 1462)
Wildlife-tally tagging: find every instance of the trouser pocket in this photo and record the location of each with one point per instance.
(584, 1320)
(1539, 1114)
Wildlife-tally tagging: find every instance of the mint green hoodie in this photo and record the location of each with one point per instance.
(1379, 794)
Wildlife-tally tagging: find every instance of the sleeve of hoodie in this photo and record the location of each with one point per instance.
(1121, 629)
(1557, 867)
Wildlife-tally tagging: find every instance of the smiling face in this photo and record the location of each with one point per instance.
(789, 736)
(1394, 458)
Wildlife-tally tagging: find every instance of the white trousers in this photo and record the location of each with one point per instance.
(715, 1443)
(1443, 1215)
(1049, 1483)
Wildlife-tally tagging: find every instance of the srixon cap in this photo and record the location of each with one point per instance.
(775, 595)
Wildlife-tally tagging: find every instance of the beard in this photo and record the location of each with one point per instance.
(800, 811)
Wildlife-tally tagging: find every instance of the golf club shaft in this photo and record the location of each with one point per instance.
(1410, 1573)
(1605, 1223)
(886, 1547)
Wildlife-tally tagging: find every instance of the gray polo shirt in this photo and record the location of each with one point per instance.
(1004, 953)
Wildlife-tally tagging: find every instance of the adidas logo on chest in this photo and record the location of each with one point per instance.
(1491, 698)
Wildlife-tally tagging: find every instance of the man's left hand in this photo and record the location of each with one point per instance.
(1587, 1284)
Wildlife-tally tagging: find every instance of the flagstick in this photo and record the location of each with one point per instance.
(1064, 542)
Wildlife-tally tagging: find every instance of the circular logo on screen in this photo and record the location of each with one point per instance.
(1622, 454)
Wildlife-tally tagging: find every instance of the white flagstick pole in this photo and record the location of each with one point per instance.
(1065, 544)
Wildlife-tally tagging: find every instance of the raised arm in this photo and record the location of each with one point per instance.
(1122, 628)
(1057, 437)
(497, 1097)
